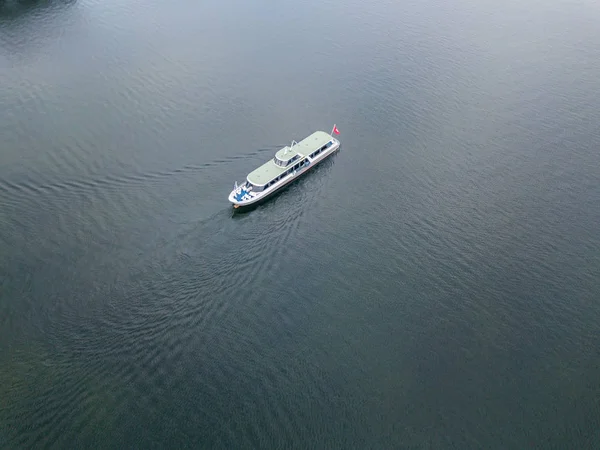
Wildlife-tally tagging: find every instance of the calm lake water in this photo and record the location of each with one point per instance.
(436, 284)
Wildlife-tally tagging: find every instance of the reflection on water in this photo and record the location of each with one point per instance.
(30, 26)
(20, 9)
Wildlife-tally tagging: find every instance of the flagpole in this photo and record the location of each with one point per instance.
(332, 129)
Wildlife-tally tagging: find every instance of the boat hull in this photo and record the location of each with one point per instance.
(267, 194)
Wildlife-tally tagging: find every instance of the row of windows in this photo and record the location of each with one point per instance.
(297, 165)
(287, 172)
(322, 149)
(281, 163)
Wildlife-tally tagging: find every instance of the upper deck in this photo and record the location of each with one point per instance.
(285, 156)
(305, 147)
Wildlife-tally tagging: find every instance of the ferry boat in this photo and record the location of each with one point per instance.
(288, 164)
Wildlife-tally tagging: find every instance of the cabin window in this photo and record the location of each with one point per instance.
(291, 160)
(279, 162)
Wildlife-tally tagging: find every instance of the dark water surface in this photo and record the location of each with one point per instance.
(436, 284)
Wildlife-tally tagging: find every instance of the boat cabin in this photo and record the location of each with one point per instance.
(288, 160)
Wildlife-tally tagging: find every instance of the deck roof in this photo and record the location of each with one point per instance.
(306, 146)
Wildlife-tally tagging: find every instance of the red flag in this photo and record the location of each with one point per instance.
(335, 130)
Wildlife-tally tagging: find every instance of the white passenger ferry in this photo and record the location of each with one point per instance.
(288, 164)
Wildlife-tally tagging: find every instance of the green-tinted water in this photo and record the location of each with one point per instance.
(435, 284)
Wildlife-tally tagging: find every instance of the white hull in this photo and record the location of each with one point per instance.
(255, 197)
